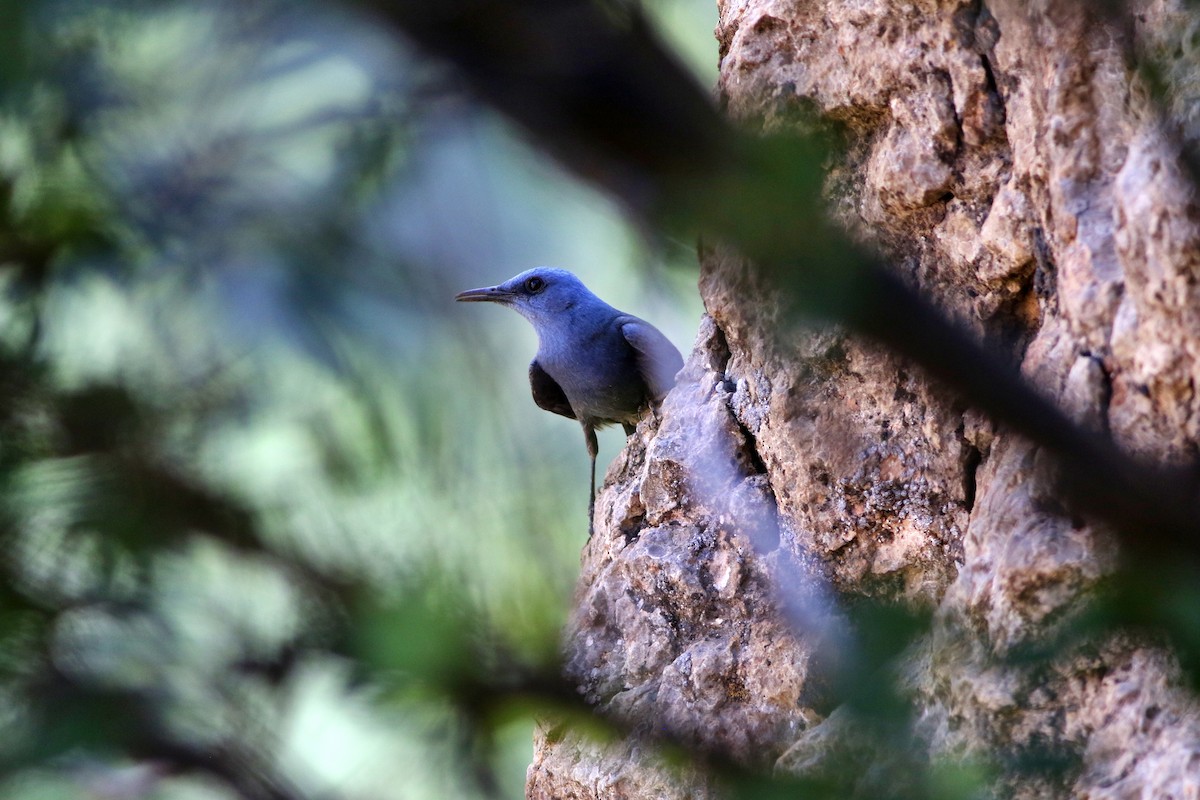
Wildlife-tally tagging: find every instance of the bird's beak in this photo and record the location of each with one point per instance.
(488, 294)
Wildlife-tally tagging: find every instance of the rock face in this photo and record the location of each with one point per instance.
(1005, 161)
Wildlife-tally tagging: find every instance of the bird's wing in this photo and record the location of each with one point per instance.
(657, 358)
(546, 391)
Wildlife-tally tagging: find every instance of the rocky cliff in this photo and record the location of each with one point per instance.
(1006, 160)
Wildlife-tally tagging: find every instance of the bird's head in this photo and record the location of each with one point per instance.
(538, 294)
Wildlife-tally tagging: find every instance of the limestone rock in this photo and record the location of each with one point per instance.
(1003, 159)
(675, 620)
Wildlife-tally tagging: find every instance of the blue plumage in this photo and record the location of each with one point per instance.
(594, 363)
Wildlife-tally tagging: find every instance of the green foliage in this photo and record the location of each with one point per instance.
(259, 514)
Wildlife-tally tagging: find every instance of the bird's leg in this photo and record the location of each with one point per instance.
(630, 430)
(589, 433)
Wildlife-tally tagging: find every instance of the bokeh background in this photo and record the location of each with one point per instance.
(261, 480)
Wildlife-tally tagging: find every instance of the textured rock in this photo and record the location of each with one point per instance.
(1003, 160)
(866, 461)
(675, 616)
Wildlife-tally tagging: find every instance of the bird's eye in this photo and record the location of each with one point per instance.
(534, 285)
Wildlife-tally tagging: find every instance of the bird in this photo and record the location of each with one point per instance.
(594, 364)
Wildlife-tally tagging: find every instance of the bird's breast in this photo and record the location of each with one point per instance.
(599, 376)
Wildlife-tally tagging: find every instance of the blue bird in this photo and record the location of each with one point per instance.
(594, 363)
